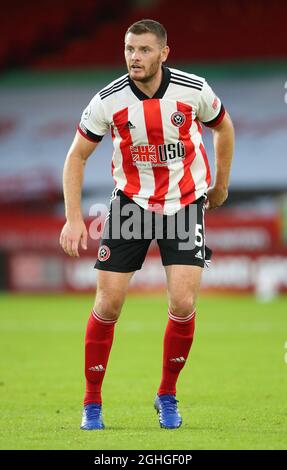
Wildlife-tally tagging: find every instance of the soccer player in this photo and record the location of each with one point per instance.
(160, 168)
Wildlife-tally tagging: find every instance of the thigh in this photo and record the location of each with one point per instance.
(111, 292)
(183, 283)
(113, 284)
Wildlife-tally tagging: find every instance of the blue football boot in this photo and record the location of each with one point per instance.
(92, 417)
(166, 407)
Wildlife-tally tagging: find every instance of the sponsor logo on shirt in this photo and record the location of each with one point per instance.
(157, 155)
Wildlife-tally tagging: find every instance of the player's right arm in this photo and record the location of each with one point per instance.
(74, 230)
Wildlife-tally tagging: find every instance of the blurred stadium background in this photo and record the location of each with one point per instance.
(54, 56)
(57, 54)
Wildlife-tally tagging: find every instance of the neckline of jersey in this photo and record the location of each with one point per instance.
(159, 93)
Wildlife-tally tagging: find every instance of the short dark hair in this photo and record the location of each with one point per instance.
(149, 26)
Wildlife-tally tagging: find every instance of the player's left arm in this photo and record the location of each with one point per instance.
(223, 141)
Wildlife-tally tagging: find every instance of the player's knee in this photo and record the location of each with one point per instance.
(182, 307)
(108, 308)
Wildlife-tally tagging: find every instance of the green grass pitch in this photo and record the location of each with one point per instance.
(232, 392)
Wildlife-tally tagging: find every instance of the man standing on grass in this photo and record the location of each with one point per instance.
(162, 177)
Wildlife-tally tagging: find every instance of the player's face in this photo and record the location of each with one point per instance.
(144, 56)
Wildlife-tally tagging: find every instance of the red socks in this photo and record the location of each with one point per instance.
(98, 343)
(99, 338)
(177, 343)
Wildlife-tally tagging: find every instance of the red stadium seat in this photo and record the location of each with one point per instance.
(70, 33)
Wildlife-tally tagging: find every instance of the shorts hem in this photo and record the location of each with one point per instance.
(115, 269)
(186, 263)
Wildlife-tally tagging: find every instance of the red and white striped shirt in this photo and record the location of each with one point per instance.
(159, 158)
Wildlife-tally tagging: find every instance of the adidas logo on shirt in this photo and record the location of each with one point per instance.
(129, 125)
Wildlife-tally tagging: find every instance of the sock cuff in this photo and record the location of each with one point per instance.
(102, 320)
(181, 320)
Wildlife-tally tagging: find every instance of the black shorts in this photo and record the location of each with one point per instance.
(129, 230)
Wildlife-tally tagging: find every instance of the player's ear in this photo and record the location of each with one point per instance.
(164, 53)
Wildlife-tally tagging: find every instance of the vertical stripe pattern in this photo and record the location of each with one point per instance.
(154, 128)
(132, 186)
(186, 184)
(208, 175)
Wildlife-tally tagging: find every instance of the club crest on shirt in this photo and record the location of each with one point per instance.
(104, 253)
(178, 119)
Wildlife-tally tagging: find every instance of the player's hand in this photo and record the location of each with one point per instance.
(72, 234)
(216, 197)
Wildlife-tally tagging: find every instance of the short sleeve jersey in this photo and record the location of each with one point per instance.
(159, 159)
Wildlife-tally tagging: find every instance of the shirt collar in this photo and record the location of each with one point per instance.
(161, 90)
